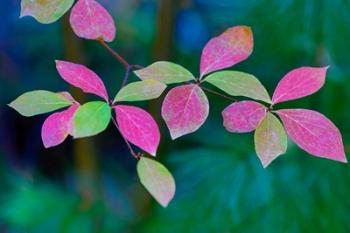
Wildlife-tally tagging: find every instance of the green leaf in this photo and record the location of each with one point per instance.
(45, 11)
(270, 139)
(91, 119)
(37, 102)
(239, 84)
(141, 90)
(165, 72)
(157, 180)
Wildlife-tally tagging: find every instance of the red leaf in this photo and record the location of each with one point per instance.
(90, 20)
(82, 77)
(138, 127)
(243, 116)
(185, 109)
(228, 49)
(58, 126)
(314, 133)
(299, 83)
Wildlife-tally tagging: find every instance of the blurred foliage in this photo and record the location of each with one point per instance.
(221, 187)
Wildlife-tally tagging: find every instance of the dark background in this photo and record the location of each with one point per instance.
(90, 185)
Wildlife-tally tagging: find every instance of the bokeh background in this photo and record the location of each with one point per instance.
(90, 185)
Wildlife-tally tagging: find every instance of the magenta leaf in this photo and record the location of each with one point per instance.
(243, 116)
(185, 109)
(314, 133)
(82, 77)
(58, 126)
(298, 83)
(138, 127)
(90, 20)
(228, 49)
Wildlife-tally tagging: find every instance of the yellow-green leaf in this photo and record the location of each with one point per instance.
(45, 11)
(157, 180)
(239, 84)
(37, 102)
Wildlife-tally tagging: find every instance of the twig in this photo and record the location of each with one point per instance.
(219, 94)
(114, 53)
(132, 152)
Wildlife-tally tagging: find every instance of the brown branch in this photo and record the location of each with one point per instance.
(219, 94)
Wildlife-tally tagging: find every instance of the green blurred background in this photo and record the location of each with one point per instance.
(90, 185)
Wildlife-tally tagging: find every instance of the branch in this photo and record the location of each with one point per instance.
(114, 53)
(132, 152)
(219, 94)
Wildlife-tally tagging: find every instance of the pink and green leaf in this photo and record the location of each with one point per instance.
(91, 118)
(58, 126)
(314, 133)
(141, 90)
(45, 11)
(138, 127)
(243, 116)
(38, 102)
(90, 20)
(165, 72)
(226, 50)
(239, 84)
(298, 83)
(185, 109)
(82, 77)
(270, 139)
(157, 180)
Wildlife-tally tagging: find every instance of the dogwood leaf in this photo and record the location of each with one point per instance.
(228, 49)
(298, 83)
(58, 126)
(270, 139)
(82, 77)
(91, 119)
(138, 127)
(314, 133)
(90, 20)
(141, 90)
(185, 109)
(243, 116)
(165, 72)
(157, 180)
(45, 11)
(239, 84)
(37, 102)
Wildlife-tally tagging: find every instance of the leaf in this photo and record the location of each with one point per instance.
(90, 20)
(243, 116)
(68, 96)
(165, 72)
(298, 83)
(91, 118)
(138, 127)
(58, 126)
(37, 102)
(270, 139)
(314, 133)
(228, 49)
(157, 180)
(45, 11)
(185, 109)
(141, 90)
(239, 84)
(82, 77)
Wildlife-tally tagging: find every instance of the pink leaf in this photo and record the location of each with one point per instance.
(185, 109)
(228, 49)
(58, 126)
(82, 77)
(314, 133)
(138, 127)
(90, 20)
(299, 83)
(243, 116)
